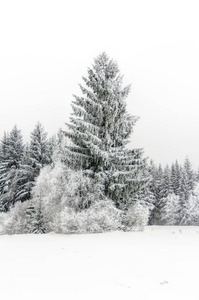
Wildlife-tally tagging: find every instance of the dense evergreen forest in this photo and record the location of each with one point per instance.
(85, 179)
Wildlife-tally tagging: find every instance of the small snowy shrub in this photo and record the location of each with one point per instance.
(170, 210)
(72, 202)
(48, 192)
(191, 216)
(15, 221)
(136, 217)
(99, 217)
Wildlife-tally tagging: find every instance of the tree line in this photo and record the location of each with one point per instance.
(85, 179)
(176, 194)
(20, 164)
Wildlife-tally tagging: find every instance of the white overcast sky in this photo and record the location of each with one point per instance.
(47, 46)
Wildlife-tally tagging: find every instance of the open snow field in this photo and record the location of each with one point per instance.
(159, 263)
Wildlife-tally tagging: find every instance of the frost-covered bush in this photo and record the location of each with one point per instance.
(68, 201)
(58, 188)
(101, 216)
(191, 216)
(48, 191)
(192, 211)
(136, 217)
(15, 221)
(170, 210)
(36, 215)
(24, 217)
(72, 202)
(62, 191)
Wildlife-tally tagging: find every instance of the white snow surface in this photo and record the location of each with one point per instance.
(158, 263)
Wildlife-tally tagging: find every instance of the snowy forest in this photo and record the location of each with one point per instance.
(86, 179)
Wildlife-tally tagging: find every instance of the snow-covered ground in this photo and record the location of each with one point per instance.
(159, 263)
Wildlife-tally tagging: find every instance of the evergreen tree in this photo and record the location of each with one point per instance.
(165, 189)
(170, 210)
(145, 197)
(176, 174)
(166, 185)
(187, 186)
(26, 176)
(21, 165)
(51, 147)
(36, 155)
(39, 148)
(159, 180)
(154, 178)
(15, 146)
(3, 162)
(4, 148)
(190, 174)
(156, 189)
(12, 151)
(99, 130)
(59, 153)
(191, 217)
(34, 215)
(197, 175)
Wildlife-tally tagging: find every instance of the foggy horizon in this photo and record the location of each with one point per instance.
(46, 49)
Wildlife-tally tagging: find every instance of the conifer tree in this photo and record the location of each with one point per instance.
(26, 176)
(153, 182)
(176, 174)
(187, 186)
(156, 189)
(15, 146)
(3, 162)
(159, 181)
(51, 147)
(36, 155)
(34, 214)
(21, 165)
(197, 175)
(100, 128)
(166, 185)
(12, 152)
(190, 174)
(4, 148)
(191, 217)
(39, 148)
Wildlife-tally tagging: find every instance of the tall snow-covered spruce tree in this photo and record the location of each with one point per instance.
(99, 130)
